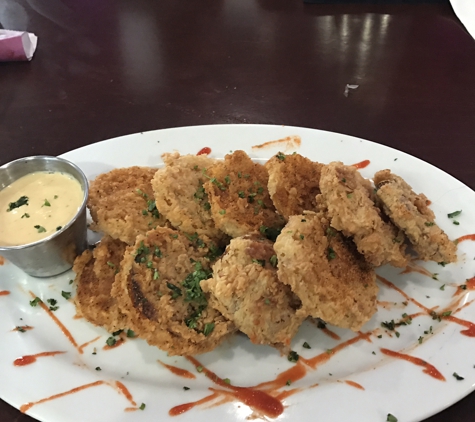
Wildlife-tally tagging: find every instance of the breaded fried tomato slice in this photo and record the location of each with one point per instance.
(246, 290)
(410, 212)
(122, 205)
(180, 196)
(325, 271)
(293, 184)
(158, 288)
(240, 201)
(347, 197)
(95, 275)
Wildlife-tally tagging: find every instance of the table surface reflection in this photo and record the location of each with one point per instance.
(108, 68)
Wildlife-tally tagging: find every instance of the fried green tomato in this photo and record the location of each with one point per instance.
(246, 290)
(293, 184)
(158, 288)
(348, 198)
(181, 198)
(122, 205)
(239, 198)
(410, 212)
(325, 271)
(95, 275)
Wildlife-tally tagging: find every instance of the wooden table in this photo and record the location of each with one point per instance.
(109, 68)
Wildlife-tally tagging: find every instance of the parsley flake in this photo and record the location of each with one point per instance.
(23, 200)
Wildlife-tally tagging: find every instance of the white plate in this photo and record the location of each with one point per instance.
(390, 385)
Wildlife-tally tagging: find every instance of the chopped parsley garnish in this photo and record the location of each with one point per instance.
(293, 356)
(391, 418)
(130, 334)
(46, 204)
(306, 346)
(456, 222)
(209, 327)
(227, 380)
(98, 368)
(273, 260)
(227, 179)
(389, 325)
(59, 228)
(157, 252)
(302, 237)
(141, 253)
(343, 180)
(40, 229)
(330, 232)
(26, 215)
(442, 287)
(111, 264)
(429, 223)
(349, 195)
(66, 295)
(454, 214)
(20, 329)
(199, 368)
(35, 301)
(442, 263)
(17, 204)
(200, 192)
(331, 254)
(457, 376)
(186, 388)
(111, 341)
(261, 262)
(420, 339)
(55, 197)
(156, 275)
(241, 194)
(446, 314)
(176, 291)
(288, 382)
(142, 406)
(280, 156)
(222, 212)
(52, 303)
(195, 295)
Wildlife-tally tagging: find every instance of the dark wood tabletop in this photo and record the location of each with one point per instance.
(108, 68)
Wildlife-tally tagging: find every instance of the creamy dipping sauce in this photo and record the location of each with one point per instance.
(36, 206)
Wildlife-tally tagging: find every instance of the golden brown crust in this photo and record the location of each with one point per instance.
(180, 196)
(246, 290)
(348, 200)
(150, 291)
(121, 203)
(411, 213)
(325, 271)
(95, 275)
(240, 201)
(293, 183)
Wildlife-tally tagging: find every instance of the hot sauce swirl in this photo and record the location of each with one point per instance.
(29, 359)
(428, 368)
(4, 292)
(204, 151)
(362, 164)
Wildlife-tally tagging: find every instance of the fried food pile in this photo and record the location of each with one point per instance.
(202, 248)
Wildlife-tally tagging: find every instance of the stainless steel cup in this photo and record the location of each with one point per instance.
(54, 254)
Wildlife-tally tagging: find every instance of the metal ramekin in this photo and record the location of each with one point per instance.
(54, 254)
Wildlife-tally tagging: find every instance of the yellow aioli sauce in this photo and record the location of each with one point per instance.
(52, 200)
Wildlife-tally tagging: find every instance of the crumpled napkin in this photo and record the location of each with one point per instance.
(17, 45)
(465, 11)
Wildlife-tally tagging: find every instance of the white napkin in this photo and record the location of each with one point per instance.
(465, 11)
(17, 45)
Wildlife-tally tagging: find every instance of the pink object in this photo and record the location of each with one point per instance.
(17, 45)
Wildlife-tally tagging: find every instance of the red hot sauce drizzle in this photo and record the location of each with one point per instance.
(428, 368)
(204, 151)
(121, 388)
(469, 332)
(178, 371)
(466, 237)
(4, 292)
(2, 260)
(61, 326)
(258, 400)
(361, 164)
(29, 359)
